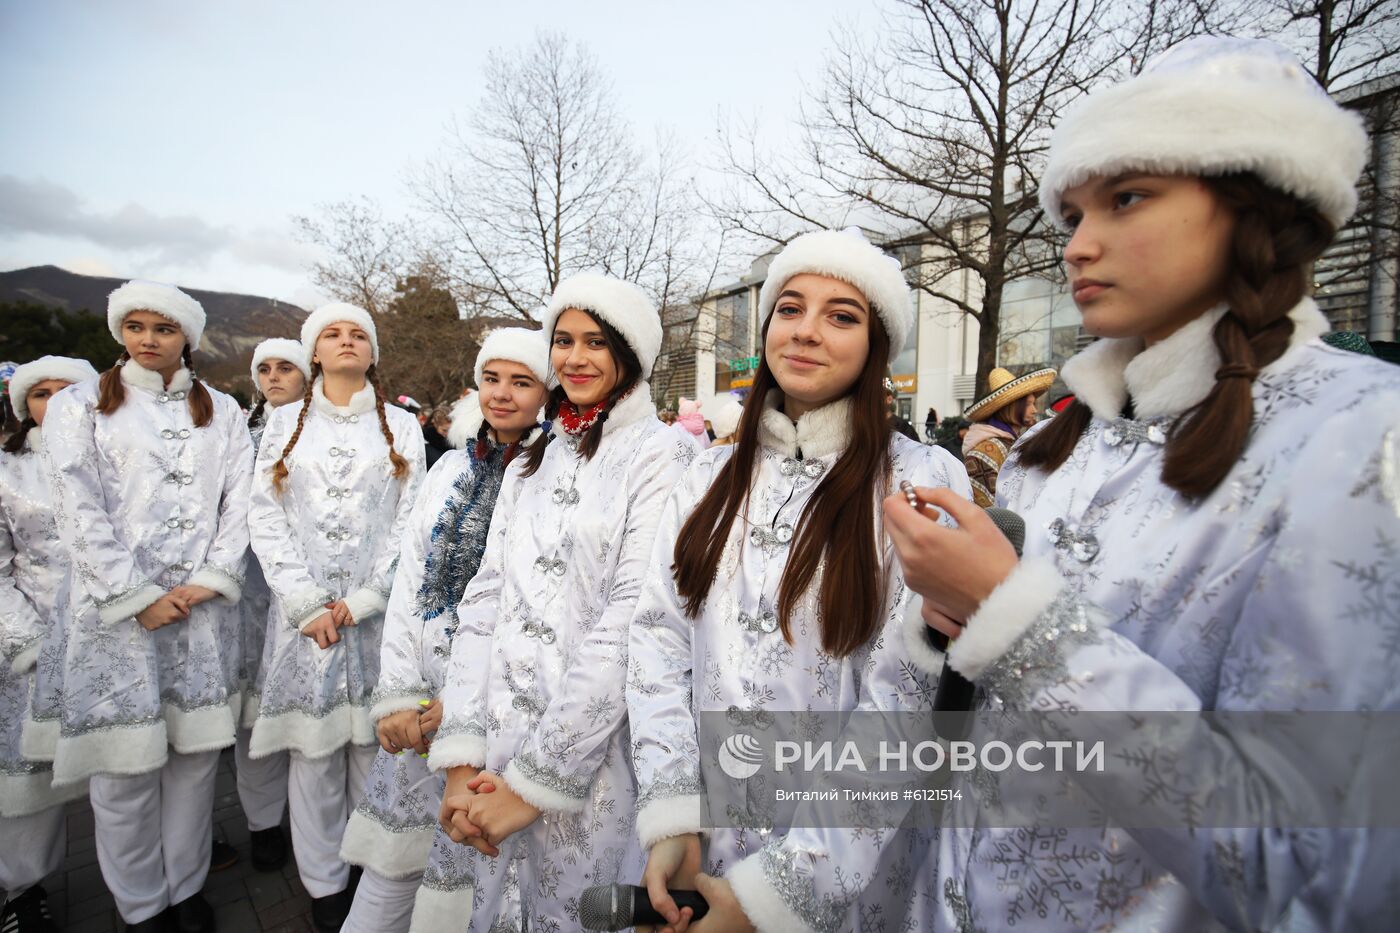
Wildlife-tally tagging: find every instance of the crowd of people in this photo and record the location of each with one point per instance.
(476, 689)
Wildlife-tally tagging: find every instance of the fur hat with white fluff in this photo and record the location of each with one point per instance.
(166, 300)
(846, 255)
(623, 305)
(31, 374)
(279, 348)
(1215, 105)
(335, 313)
(724, 414)
(520, 345)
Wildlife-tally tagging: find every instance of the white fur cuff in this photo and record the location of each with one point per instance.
(394, 854)
(214, 579)
(137, 750)
(138, 600)
(538, 795)
(365, 604)
(305, 607)
(1005, 615)
(762, 904)
(455, 751)
(671, 816)
(438, 909)
(398, 703)
(28, 656)
(916, 633)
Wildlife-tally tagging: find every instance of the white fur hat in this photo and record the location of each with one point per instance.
(31, 374)
(334, 313)
(724, 413)
(166, 300)
(846, 255)
(279, 348)
(623, 305)
(520, 345)
(1213, 106)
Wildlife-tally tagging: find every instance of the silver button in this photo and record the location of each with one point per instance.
(167, 434)
(339, 419)
(187, 565)
(187, 524)
(334, 451)
(354, 419)
(783, 533)
(163, 397)
(178, 396)
(184, 434)
(186, 479)
(172, 523)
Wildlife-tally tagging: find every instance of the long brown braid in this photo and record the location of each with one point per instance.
(397, 459)
(279, 469)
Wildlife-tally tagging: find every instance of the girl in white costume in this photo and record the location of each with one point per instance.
(32, 568)
(150, 472)
(1211, 526)
(773, 590)
(391, 830)
(334, 485)
(280, 373)
(534, 696)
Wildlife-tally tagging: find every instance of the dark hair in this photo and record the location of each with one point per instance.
(112, 391)
(1275, 242)
(483, 444)
(837, 526)
(630, 373)
(400, 464)
(15, 444)
(257, 411)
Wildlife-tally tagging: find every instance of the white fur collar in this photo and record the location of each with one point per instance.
(361, 402)
(34, 440)
(139, 377)
(1170, 376)
(822, 431)
(633, 407)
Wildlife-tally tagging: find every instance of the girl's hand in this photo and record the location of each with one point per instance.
(430, 718)
(193, 595)
(953, 569)
(462, 787)
(502, 813)
(169, 608)
(673, 863)
(340, 613)
(725, 915)
(322, 630)
(400, 731)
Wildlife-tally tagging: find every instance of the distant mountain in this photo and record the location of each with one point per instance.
(237, 323)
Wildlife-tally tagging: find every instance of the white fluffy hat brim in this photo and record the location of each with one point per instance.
(467, 417)
(31, 374)
(1295, 139)
(520, 345)
(625, 307)
(279, 348)
(166, 300)
(857, 262)
(336, 313)
(724, 415)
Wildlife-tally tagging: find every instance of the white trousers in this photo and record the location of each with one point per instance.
(382, 905)
(32, 849)
(154, 831)
(262, 784)
(320, 794)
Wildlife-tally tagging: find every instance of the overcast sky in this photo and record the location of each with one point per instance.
(175, 140)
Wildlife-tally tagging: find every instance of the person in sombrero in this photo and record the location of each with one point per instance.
(999, 417)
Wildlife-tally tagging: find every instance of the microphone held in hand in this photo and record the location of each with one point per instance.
(622, 906)
(955, 692)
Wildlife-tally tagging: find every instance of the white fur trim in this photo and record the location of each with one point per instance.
(27, 794)
(1173, 374)
(915, 631)
(335, 313)
(762, 904)
(1211, 106)
(401, 703)
(1005, 615)
(311, 736)
(44, 368)
(436, 911)
(148, 380)
(24, 660)
(362, 402)
(622, 304)
(364, 604)
(455, 751)
(520, 345)
(850, 257)
(633, 407)
(823, 431)
(137, 750)
(39, 739)
(201, 730)
(252, 703)
(128, 606)
(279, 348)
(214, 579)
(466, 421)
(166, 300)
(307, 598)
(672, 816)
(546, 799)
(396, 855)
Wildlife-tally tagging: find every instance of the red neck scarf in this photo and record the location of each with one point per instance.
(575, 422)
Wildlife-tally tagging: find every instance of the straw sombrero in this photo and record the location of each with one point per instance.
(1006, 388)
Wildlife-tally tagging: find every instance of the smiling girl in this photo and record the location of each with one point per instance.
(391, 830)
(534, 698)
(32, 568)
(150, 472)
(335, 482)
(1211, 525)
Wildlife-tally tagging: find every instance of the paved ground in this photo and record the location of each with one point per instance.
(244, 900)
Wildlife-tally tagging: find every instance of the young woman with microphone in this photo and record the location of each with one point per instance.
(1211, 525)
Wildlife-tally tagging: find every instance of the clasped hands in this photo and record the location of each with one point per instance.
(323, 628)
(480, 810)
(174, 606)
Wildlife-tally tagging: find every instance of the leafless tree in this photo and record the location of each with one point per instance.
(365, 254)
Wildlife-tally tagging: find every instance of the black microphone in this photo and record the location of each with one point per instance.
(955, 692)
(621, 906)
